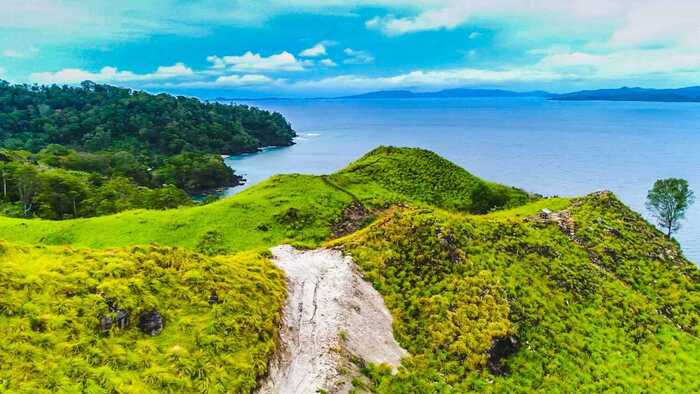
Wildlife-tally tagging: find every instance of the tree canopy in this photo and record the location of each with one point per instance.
(668, 201)
(96, 118)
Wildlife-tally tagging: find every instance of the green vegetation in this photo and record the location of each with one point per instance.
(589, 295)
(52, 300)
(120, 132)
(288, 208)
(421, 176)
(50, 186)
(668, 201)
(597, 298)
(107, 118)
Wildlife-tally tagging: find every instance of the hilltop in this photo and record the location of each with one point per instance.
(487, 291)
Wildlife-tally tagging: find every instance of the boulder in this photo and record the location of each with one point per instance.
(151, 322)
(501, 348)
(106, 323)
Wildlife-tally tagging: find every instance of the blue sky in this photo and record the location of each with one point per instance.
(330, 47)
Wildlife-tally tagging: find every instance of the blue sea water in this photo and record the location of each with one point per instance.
(547, 147)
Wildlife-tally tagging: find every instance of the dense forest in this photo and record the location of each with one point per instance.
(71, 152)
(58, 183)
(96, 118)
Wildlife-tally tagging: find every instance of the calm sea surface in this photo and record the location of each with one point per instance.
(547, 147)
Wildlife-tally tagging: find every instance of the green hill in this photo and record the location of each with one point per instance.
(286, 208)
(53, 299)
(596, 298)
(423, 176)
(587, 298)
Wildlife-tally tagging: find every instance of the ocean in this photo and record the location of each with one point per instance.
(547, 147)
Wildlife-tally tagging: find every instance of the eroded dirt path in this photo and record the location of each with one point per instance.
(331, 313)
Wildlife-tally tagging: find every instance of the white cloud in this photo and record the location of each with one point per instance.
(624, 63)
(19, 54)
(357, 57)
(474, 35)
(315, 51)
(176, 70)
(628, 22)
(245, 80)
(328, 63)
(109, 74)
(222, 82)
(254, 62)
(421, 79)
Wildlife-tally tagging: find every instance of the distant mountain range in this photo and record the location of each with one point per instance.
(689, 94)
(448, 93)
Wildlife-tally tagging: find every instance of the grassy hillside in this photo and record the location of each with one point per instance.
(596, 297)
(294, 208)
(52, 300)
(425, 177)
(590, 298)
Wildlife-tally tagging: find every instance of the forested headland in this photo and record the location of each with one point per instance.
(99, 149)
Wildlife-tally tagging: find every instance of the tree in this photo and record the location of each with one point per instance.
(668, 202)
(4, 174)
(28, 184)
(61, 194)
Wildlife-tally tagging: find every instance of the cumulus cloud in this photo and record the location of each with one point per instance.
(315, 51)
(251, 62)
(328, 63)
(109, 74)
(357, 57)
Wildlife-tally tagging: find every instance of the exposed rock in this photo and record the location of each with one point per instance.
(332, 317)
(355, 216)
(449, 243)
(545, 213)
(106, 323)
(151, 322)
(501, 348)
(213, 298)
(122, 319)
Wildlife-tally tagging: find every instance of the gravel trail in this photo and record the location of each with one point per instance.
(331, 314)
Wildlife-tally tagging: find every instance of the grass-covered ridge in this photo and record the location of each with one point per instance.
(423, 176)
(52, 300)
(285, 208)
(591, 311)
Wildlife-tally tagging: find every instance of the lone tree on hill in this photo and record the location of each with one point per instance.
(668, 202)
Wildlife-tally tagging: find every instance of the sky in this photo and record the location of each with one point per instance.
(322, 48)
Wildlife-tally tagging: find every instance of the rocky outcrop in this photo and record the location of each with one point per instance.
(331, 316)
(151, 322)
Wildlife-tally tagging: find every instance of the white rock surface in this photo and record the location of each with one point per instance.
(330, 314)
